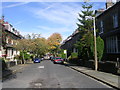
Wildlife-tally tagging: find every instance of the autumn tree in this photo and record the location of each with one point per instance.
(32, 43)
(39, 46)
(54, 42)
(21, 45)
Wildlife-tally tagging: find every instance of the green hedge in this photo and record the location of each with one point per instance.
(26, 56)
(61, 54)
(73, 58)
(74, 55)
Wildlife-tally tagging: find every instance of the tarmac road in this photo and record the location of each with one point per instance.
(49, 75)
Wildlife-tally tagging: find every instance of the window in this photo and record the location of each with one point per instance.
(101, 26)
(75, 50)
(112, 44)
(115, 20)
(12, 51)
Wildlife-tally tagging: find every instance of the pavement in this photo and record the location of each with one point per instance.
(107, 78)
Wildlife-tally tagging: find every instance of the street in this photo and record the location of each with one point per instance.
(49, 75)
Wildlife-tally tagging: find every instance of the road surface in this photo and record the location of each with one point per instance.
(49, 75)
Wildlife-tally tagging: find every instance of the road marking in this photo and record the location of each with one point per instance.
(38, 84)
(41, 67)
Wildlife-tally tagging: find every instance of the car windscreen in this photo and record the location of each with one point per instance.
(57, 58)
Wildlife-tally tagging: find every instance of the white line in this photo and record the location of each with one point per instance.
(41, 67)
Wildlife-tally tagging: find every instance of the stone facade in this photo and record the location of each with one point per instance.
(68, 44)
(8, 35)
(108, 24)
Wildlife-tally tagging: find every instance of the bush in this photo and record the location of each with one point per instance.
(17, 57)
(74, 55)
(26, 56)
(69, 57)
(100, 47)
(73, 58)
(62, 55)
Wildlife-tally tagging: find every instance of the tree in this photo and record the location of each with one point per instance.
(40, 47)
(22, 45)
(54, 42)
(100, 47)
(85, 27)
(34, 44)
(86, 43)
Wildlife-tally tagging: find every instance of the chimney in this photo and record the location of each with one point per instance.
(109, 3)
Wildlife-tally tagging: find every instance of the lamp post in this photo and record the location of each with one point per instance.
(95, 47)
(96, 62)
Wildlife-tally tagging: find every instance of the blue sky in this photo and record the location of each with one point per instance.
(44, 18)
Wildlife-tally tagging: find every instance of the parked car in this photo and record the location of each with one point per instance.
(52, 58)
(46, 57)
(42, 58)
(58, 60)
(37, 60)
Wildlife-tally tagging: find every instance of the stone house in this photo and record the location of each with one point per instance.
(68, 44)
(108, 24)
(8, 35)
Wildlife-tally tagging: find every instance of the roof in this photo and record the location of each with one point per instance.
(118, 3)
(5, 29)
(70, 37)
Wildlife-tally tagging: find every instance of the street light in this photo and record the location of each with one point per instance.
(95, 48)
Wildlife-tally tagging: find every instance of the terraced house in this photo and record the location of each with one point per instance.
(68, 43)
(8, 35)
(108, 24)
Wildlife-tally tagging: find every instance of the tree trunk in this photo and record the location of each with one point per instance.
(23, 61)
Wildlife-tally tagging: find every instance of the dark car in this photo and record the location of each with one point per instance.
(58, 60)
(37, 60)
(52, 58)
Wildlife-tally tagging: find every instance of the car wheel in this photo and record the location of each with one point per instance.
(62, 63)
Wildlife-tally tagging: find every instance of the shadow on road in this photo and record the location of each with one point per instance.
(8, 75)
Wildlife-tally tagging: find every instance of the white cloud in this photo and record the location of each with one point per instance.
(47, 31)
(44, 33)
(58, 13)
(16, 4)
(18, 23)
(23, 33)
(63, 14)
(52, 29)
